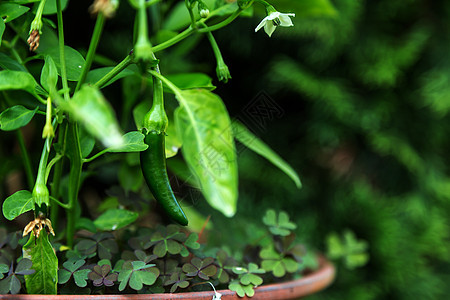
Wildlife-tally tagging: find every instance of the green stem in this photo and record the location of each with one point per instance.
(223, 23)
(116, 70)
(181, 36)
(215, 47)
(86, 160)
(62, 57)
(56, 201)
(76, 165)
(57, 174)
(26, 159)
(92, 48)
(191, 14)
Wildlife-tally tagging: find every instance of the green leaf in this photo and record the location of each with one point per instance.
(203, 125)
(50, 6)
(41, 253)
(115, 219)
(49, 74)
(8, 63)
(80, 277)
(191, 81)
(97, 116)
(2, 29)
(95, 75)
(18, 203)
(17, 80)
(16, 117)
(74, 61)
(133, 141)
(11, 11)
(3, 269)
(247, 138)
(10, 284)
(278, 226)
(63, 276)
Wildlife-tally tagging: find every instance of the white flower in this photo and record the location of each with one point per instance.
(275, 19)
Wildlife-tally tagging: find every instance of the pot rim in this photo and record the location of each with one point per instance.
(309, 284)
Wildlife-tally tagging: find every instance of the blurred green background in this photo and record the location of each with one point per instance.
(356, 98)
(366, 94)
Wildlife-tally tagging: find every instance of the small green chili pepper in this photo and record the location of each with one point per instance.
(153, 164)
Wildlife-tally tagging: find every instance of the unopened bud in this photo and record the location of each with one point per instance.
(203, 10)
(33, 40)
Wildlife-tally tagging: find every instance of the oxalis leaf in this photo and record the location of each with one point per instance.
(204, 127)
(18, 203)
(45, 263)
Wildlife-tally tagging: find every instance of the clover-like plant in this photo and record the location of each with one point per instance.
(167, 240)
(101, 244)
(278, 225)
(73, 268)
(12, 282)
(247, 281)
(177, 280)
(102, 275)
(202, 268)
(136, 274)
(347, 247)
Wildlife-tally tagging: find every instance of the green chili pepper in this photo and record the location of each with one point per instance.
(153, 164)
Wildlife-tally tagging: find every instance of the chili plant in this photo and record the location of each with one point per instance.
(50, 84)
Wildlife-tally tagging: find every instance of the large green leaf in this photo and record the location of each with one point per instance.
(8, 63)
(45, 263)
(203, 125)
(114, 219)
(74, 61)
(18, 203)
(11, 11)
(247, 138)
(17, 80)
(50, 6)
(191, 80)
(97, 116)
(15, 117)
(49, 74)
(2, 29)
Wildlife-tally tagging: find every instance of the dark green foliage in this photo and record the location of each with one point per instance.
(12, 283)
(366, 101)
(72, 268)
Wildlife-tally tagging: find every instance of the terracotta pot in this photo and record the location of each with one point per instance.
(295, 289)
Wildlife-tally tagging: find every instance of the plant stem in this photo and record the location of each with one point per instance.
(26, 159)
(76, 165)
(62, 57)
(191, 14)
(116, 70)
(92, 48)
(223, 23)
(181, 36)
(57, 174)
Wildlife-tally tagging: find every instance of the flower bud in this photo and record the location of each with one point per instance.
(223, 74)
(203, 9)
